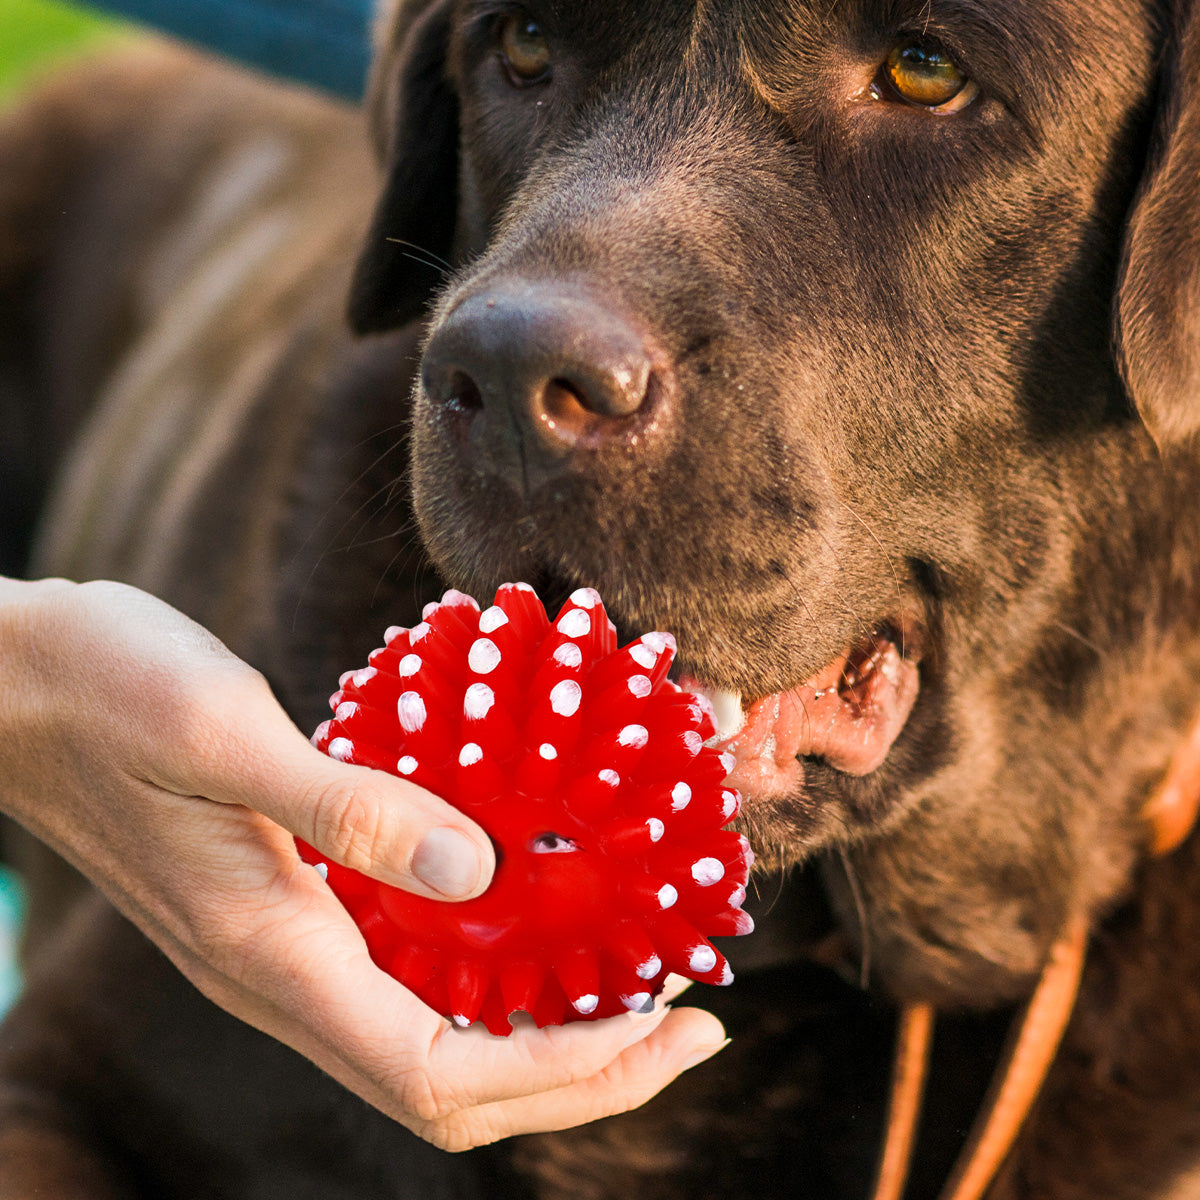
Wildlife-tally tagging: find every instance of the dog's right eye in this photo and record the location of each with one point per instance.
(524, 48)
(924, 76)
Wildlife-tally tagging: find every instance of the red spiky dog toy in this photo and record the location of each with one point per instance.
(587, 768)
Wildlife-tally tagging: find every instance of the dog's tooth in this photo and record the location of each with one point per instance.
(727, 708)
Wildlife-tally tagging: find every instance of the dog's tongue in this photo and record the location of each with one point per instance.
(848, 714)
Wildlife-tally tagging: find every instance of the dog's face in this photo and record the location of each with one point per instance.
(788, 326)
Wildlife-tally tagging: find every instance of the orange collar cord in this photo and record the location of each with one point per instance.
(1171, 813)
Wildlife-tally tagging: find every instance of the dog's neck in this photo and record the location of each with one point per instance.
(1170, 815)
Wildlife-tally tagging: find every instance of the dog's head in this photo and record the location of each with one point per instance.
(790, 327)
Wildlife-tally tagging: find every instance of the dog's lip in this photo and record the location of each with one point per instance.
(848, 714)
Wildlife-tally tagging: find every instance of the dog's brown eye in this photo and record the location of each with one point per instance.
(525, 49)
(926, 76)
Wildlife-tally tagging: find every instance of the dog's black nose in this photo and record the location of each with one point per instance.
(537, 370)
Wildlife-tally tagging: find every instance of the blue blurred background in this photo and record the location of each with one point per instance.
(324, 43)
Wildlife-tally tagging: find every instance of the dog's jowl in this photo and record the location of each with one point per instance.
(858, 344)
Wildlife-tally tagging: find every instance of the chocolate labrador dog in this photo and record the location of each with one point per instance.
(857, 344)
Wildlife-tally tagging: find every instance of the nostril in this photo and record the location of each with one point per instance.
(609, 383)
(463, 393)
(589, 407)
(562, 397)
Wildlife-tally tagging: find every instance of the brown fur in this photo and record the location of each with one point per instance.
(896, 388)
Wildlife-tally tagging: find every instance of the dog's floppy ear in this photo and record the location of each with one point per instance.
(1158, 299)
(414, 119)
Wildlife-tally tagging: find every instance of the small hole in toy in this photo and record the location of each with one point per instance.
(552, 843)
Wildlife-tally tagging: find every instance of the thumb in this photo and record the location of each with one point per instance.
(367, 820)
(389, 829)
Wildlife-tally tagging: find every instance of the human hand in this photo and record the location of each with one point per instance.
(144, 752)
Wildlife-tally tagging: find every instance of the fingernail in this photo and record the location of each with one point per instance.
(448, 862)
(698, 1056)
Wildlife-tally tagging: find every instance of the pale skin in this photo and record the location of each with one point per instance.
(142, 750)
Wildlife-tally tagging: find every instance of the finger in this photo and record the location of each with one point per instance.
(322, 975)
(685, 1038)
(388, 828)
(367, 820)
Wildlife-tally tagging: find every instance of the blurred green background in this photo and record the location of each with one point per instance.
(35, 34)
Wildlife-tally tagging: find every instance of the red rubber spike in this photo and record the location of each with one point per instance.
(598, 636)
(364, 725)
(552, 1007)
(604, 804)
(592, 797)
(704, 809)
(651, 655)
(692, 712)
(728, 922)
(360, 754)
(496, 625)
(521, 984)
(631, 993)
(494, 1014)
(558, 658)
(538, 773)
(438, 648)
(480, 779)
(629, 945)
(467, 982)
(525, 611)
(456, 615)
(487, 721)
(619, 749)
(578, 973)
(685, 951)
(647, 895)
(623, 701)
(669, 754)
(416, 672)
(631, 836)
(554, 714)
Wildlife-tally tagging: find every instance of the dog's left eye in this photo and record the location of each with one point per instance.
(925, 76)
(524, 48)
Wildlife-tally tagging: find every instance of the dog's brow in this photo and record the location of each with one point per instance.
(699, 17)
(1015, 38)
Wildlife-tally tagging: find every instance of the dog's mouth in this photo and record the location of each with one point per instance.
(848, 715)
